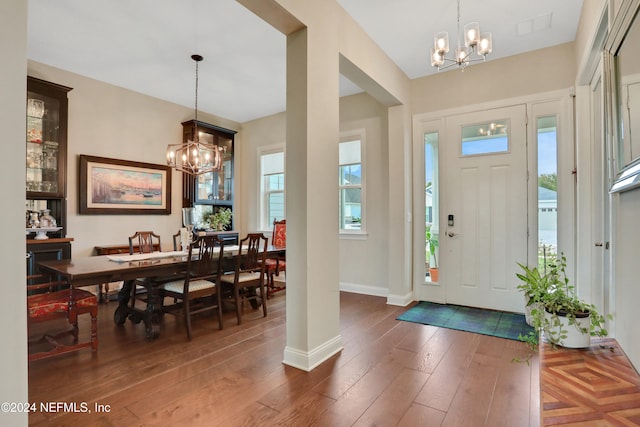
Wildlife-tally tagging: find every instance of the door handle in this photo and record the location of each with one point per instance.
(451, 234)
(600, 244)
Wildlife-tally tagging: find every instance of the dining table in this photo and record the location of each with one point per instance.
(153, 267)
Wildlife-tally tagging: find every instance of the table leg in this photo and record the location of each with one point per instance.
(151, 317)
(121, 313)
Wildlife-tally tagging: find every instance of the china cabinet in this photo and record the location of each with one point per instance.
(45, 181)
(46, 150)
(214, 190)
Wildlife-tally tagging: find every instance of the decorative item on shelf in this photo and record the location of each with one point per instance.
(220, 219)
(47, 220)
(557, 314)
(474, 42)
(35, 108)
(194, 157)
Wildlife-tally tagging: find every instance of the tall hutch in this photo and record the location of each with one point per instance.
(46, 177)
(211, 191)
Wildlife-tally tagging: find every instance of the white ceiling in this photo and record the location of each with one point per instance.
(145, 45)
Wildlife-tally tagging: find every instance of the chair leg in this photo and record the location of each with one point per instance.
(94, 328)
(219, 303)
(187, 317)
(263, 295)
(236, 296)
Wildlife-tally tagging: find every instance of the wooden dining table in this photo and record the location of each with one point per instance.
(94, 270)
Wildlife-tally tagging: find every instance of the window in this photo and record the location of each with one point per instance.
(431, 223)
(547, 189)
(350, 184)
(485, 138)
(272, 188)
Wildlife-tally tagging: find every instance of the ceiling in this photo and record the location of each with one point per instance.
(146, 45)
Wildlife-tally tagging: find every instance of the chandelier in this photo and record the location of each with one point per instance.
(194, 157)
(474, 43)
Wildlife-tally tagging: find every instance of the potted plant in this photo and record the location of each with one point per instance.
(432, 242)
(556, 311)
(220, 219)
(534, 286)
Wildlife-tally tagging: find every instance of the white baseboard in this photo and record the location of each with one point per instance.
(399, 300)
(363, 289)
(308, 360)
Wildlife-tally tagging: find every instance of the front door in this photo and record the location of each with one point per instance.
(484, 228)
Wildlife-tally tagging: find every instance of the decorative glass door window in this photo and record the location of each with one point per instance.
(485, 138)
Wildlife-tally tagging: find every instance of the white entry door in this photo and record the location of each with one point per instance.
(485, 208)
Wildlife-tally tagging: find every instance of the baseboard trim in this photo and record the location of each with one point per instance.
(363, 289)
(308, 360)
(400, 300)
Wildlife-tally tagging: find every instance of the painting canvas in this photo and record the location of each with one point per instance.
(112, 186)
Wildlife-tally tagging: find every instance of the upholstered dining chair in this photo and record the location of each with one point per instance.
(51, 300)
(199, 290)
(247, 282)
(277, 264)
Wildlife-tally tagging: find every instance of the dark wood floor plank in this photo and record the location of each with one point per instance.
(389, 408)
(389, 373)
(440, 389)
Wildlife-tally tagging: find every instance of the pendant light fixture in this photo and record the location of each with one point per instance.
(474, 43)
(194, 157)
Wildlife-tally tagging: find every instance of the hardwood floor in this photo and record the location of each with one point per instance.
(390, 373)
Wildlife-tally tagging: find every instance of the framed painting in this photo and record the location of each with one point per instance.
(121, 187)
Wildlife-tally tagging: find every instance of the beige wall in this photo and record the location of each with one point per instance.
(110, 121)
(13, 87)
(520, 75)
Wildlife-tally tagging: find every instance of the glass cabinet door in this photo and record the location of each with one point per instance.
(213, 188)
(43, 144)
(217, 187)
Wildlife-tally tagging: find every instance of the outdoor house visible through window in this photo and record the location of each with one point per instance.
(350, 175)
(273, 191)
(547, 189)
(485, 138)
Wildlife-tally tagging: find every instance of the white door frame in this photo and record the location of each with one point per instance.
(428, 122)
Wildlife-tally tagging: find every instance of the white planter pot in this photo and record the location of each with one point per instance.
(527, 311)
(575, 338)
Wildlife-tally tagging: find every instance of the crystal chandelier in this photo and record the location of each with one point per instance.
(474, 43)
(194, 157)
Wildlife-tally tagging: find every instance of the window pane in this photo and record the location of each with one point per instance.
(547, 189)
(350, 208)
(485, 138)
(275, 182)
(350, 175)
(431, 202)
(275, 206)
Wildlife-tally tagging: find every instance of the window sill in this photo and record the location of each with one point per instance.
(353, 236)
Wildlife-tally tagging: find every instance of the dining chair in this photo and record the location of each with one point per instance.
(143, 242)
(278, 263)
(247, 282)
(54, 299)
(199, 290)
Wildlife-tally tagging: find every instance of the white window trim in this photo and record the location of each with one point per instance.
(265, 224)
(351, 135)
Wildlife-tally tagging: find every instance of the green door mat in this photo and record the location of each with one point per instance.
(477, 320)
